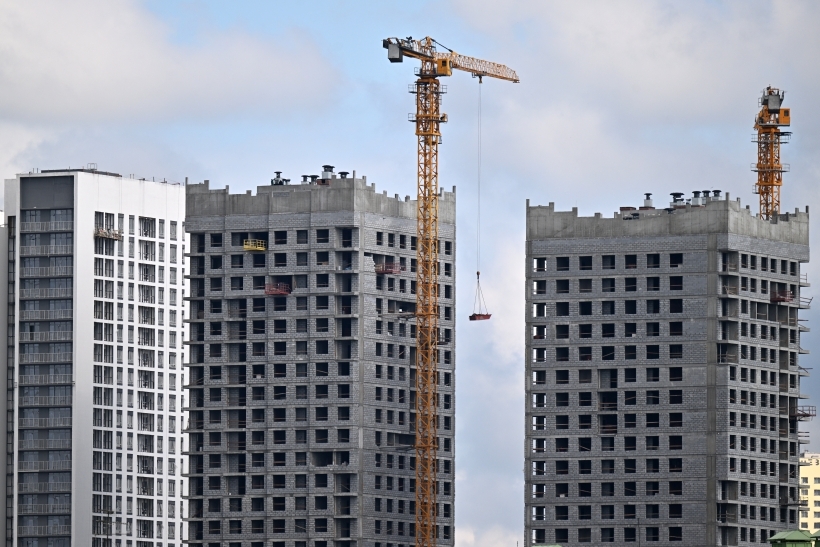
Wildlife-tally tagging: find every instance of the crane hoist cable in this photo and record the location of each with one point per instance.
(480, 311)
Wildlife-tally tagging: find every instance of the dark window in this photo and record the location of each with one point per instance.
(561, 376)
(653, 261)
(653, 374)
(562, 263)
(561, 331)
(584, 262)
(562, 354)
(562, 286)
(676, 374)
(630, 307)
(631, 284)
(608, 262)
(676, 260)
(562, 399)
(653, 283)
(585, 354)
(676, 328)
(585, 331)
(562, 309)
(653, 306)
(280, 260)
(608, 330)
(676, 283)
(676, 351)
(653, 352)
(608, 307)
(585, 308)
(676, 305)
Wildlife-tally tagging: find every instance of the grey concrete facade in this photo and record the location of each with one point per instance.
(302, 352)
(662, 375)
(94, 376)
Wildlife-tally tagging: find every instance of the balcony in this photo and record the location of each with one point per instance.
(45, 466)
(782, 296)
(55, 336)
(276, 289)
(33, 315)
(389, 268)
(45, 422)
(43, 509)
(804, 302)
(730, 290)
(61, 530)
(255, 245)
(56, 226)
(45, 379)
(45, 358)
(46, 250)
(56, 271)
(26, 487)
(108, 233)
(46, 400)
(44, 444)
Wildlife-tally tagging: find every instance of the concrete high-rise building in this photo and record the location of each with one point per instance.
(302, 378)
(93, 360)
(662, 374)
(810, 491)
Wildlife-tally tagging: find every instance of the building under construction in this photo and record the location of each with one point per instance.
(302, 365)
(663, 374)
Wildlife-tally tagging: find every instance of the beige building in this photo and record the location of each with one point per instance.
(810, 491)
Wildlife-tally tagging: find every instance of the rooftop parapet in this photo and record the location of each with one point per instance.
(332, 194)
(711, 215)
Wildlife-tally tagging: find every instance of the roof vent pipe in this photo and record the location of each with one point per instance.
(305, 179)
(313, 178)
(343, 174)
(327, 172)
(716, 193)
(677, 199)
(647, 202)
(696, 198)
(705, 199)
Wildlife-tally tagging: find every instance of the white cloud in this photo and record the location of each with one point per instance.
(110, 60)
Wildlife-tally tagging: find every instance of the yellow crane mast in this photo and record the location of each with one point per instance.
(769, 138)
(428, 119)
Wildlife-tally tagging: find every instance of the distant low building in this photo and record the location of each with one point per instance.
(810, 491)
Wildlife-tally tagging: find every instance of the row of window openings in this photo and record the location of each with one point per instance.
(651, 511)
(104, 440)
(147, 293)
(105, 311)
(650, 534)
(652, 465)
(750, 375)
(402, 244)
(750, 421)
(280, 237)
(102, 504)
(751, 285)
(750, 444)
(608, 262)
(608, 378)
(398, 506)
(608, 285)
(610, 398)
(321, 436)
(280, 370)
(145, 422)
(146, 272)
(767, 264)
(750, 397)
(147, 249)
(764, 469)
(105, 375)
(652, 442)
(104, 461)
(280, 393)
(653, 420)
(147, 226)
(397, 306)
(442, 532)
(608, 330)
(300, 503)
(391, 285)
(104, 396)
(104, 332)
(608, 307)
(608, 353)
(147, 358)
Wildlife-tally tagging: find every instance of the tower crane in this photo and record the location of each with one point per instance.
(428, 119)
(769, 138)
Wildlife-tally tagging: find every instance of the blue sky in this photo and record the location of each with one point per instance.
(615, 99)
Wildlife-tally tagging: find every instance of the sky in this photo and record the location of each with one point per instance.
(616, 99)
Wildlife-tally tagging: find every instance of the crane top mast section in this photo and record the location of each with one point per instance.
(428, 119)
(769, 137)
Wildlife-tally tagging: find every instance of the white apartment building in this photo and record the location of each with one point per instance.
(94, 452)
